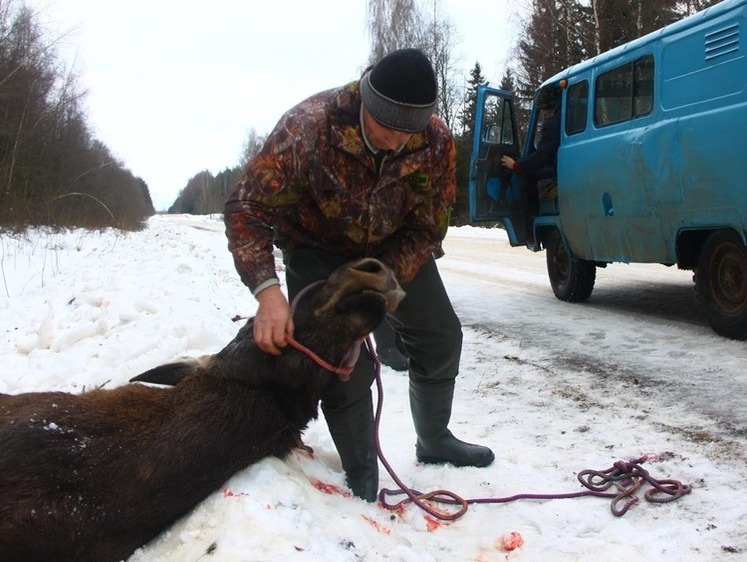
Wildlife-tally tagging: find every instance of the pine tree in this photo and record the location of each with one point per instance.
(467, 115)
(521, 107)
(557, 34)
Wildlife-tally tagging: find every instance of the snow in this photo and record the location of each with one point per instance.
(553, 388)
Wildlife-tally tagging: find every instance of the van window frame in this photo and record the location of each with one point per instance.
(635, 79)
(576, 106)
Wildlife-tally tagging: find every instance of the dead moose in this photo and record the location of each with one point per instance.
(94, 476)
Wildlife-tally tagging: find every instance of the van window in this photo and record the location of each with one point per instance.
(497, 118)
(625, 92)
(575, 109)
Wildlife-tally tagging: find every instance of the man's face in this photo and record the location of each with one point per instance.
(381, 136)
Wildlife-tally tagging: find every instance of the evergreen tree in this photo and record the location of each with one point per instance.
(688, 7)
(508, 83)
(469, 107)
(464, 141)
(556, 35)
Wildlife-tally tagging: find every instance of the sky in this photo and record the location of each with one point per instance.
(175, 87)
(552, 387)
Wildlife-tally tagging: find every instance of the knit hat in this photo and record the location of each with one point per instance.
(400, 91)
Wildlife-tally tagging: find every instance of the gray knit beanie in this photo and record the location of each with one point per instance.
(400, 91)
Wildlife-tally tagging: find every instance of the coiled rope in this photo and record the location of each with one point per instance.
(627, 477)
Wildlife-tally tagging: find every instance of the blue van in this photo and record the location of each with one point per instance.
(651, 166)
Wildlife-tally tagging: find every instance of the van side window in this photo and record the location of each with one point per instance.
(577, 102)
(625, 92)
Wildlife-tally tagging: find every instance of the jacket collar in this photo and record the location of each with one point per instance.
(346, 128)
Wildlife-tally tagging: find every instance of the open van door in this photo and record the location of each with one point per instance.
(495, 194)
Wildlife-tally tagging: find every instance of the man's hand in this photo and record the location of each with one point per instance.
(273, 322)
(508, 162)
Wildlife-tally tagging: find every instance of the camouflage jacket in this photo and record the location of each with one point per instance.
(316, 184)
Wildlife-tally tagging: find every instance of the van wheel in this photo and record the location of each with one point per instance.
(721, 284)
(572, 279)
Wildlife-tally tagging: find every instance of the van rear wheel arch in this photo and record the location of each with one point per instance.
(572, 279)
(721, 283)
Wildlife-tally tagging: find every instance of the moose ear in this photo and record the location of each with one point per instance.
(171, 373)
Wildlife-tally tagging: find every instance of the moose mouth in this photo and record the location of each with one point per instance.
(366, 289)
(351, 357)
(348, 362)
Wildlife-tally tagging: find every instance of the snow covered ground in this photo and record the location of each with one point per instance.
(80, 310)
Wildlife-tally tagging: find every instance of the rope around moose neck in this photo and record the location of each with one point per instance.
(305, 350)
(628, 477)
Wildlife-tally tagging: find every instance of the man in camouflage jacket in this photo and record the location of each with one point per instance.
(361, 170)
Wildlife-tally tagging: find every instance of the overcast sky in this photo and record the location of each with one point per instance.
(174, 87)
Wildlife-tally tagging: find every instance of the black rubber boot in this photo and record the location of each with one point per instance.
(352, 430)
(430, 403)
(389, 348)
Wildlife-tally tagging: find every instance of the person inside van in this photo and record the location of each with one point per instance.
(541, 165)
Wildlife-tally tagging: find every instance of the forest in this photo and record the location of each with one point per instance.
(53, 171)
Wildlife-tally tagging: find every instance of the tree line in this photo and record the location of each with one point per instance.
(53, 171)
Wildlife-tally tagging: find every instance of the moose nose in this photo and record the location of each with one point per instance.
(382, 279)
(369, 265)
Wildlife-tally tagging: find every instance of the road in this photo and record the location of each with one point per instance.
(641, 327)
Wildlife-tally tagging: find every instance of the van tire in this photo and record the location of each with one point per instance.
(572, 279)
(721, 284)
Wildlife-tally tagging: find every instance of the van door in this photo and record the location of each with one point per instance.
(494, 194)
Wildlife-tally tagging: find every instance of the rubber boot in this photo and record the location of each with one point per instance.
(430, 403)
(388, 348)
(352, 430)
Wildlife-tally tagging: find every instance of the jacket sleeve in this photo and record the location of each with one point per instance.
(547, 147)
(250, 211)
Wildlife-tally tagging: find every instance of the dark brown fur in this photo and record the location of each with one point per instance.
(94, 476)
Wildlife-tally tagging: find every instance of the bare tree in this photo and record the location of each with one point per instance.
(52, 171)
(252, 146)
(398, 24)
(620, 21)
(394, 24)
(687, 7)
(439, 45)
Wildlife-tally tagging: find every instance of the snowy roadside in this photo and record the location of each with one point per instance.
(80, 310)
